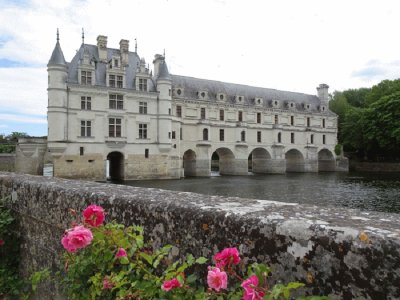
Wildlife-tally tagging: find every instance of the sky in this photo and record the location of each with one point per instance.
(288, 45)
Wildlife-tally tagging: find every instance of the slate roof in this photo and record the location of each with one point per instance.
(191, 86)
(57, 57)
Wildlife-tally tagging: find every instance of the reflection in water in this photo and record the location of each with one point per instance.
(366, 191)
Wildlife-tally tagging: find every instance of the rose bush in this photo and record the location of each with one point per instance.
(111, 261)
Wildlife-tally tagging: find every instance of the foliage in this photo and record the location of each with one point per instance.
(369, 120)
(338, 149)
(7, 148)
(15, 135)
(11, 283)
(119, 264)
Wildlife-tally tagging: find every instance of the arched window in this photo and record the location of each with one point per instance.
(312, 139)
(205, 134)
(243, 136)
(279, 137)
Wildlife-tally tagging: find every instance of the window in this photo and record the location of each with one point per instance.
(173, 135)
(142, 131)
(169, 111)
(203, 113)
(221, 135)
(86, 103)
(276, 119)
(180, 133)
(179, 111)
(86, 77)
(279, 137)
(308, 122)
(169, 135)
(143, 84)
(291, 120)
(205, 134)
(258, 118)
(114, 127)
(146, 153)
(312, 139)
(81, 151)
(243, 136)
(120, 80)
(292, 137)
(323, 123)
(116, 62)
(240, 116)
(323, 139)
(116, 101)
(86, 128)
(111, 80)
(221, 115)
(143, 108)
(258, 136)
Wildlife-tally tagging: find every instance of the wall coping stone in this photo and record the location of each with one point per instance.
(345, 253)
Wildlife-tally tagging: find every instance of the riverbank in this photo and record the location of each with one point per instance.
(359, 166)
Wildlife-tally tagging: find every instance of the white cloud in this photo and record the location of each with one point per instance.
(290, 45)
(22, 119)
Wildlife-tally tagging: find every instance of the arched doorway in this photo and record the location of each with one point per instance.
(326, 161)
(294, 161)
(259, 161)
(189, 163)
(223, 160)
(115, 166)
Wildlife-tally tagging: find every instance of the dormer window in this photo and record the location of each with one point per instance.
(275, 103)
(239, 99)
(116, 64)
(86, 77)
(143, 84)
(322, 108)
(291, 105)
(221, 97)
(202, 94)
(307, 106)
(258, 101)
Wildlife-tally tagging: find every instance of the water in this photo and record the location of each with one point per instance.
(366, 191)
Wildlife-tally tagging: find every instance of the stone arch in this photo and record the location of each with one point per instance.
(226, 161)
(115, 162)
(260, 160)
(326, 161)
(294, 161)
(189, 163)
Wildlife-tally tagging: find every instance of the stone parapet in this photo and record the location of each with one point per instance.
(346, 254)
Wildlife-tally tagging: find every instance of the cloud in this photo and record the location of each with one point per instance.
(22, 119)
(378, 70)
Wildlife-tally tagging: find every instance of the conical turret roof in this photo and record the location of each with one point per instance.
(163, 72)
(57, 57)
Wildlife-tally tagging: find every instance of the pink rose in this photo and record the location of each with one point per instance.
(121, 253)
(226, 257)
(250, 292)
(216, 279)
(171, 284)
(107, 284)
(76, 238)
(2, 242)
(94, 215)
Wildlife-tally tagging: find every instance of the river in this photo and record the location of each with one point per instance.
(366, 191)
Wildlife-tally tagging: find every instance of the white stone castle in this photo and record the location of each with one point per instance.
(110, 116)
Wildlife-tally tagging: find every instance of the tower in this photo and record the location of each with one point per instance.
(164, 85)
(57, 95)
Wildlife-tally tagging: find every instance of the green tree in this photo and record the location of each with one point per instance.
(384, 88)
(356, 97)
(15, 135)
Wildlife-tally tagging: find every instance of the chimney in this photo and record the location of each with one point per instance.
(124, 49)
(323, 94)
(102, 47)
(158, 59)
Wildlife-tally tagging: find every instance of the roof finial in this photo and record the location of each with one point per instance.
(58, 36)
(135, 45)
(83, 36)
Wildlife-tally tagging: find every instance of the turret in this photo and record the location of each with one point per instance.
(57, 94)
(164, 85)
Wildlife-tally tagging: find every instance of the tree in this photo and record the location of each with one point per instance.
(384, 88)
(14, 136)
(356, 97)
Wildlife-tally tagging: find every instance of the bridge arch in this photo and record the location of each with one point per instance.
(260, 160)
(115, 163)
(189, 163)
(294, 161)
(326, 161)
(226, 161)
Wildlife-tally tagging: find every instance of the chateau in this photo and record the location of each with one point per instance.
(109, 115)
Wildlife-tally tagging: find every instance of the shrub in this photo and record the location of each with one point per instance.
(111, 261)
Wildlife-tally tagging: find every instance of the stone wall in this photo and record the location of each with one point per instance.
(7, 162)
(347, 254)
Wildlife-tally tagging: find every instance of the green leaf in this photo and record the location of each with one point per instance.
(147, 257)
(201, 260)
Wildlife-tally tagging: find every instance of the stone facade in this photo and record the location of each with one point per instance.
(346, 254)
(7, 162)
(108, 111)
